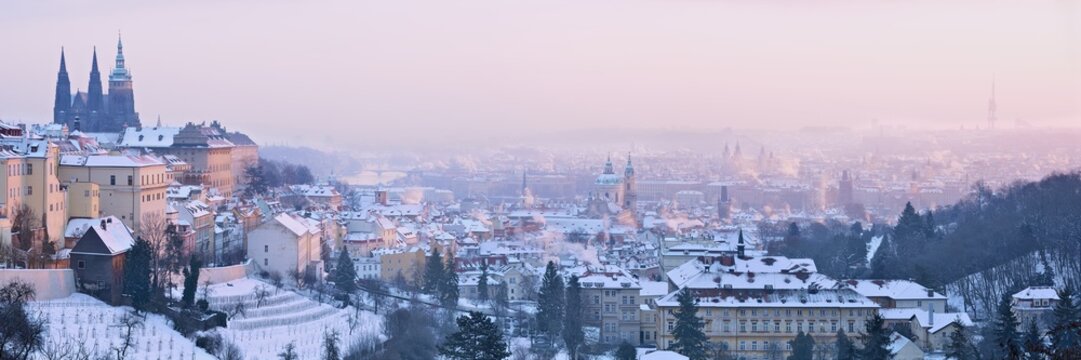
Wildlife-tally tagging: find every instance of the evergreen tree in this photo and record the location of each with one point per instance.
(137, 274)
(1032, 340)
(1066, 325)
(477, 338)
(191, 280)
(482, 283)
(960, 346)
(289, 352)
(626, 351)
(550, 302)
(689, 339)
(910, 223)
(448, 291)
(331, 350)
(572, 324)
(1047, 273)
(802, 347)
(433, 273)
(1005, 332)
(876, 340)
(345, 273)
(846, 350)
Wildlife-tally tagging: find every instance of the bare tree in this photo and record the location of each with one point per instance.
(153, 228)
(261, 295)
(276, 280)
(23, 223)
(128, 323)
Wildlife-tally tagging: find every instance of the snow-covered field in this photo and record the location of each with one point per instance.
(83, 321)
(264, 327)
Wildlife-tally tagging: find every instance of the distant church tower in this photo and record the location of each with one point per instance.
(62, 105)
(844, 189)
(95, 106)
(121, 97)
(630, 187)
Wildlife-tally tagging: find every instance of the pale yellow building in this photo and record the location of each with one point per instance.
(131, 187)
(84, 200)
(31, 166)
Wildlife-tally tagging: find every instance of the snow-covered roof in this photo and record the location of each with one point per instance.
(115, 235)
(893, 289)
(150, 137)
(1037, 292)
(110, 160)
(664, 355)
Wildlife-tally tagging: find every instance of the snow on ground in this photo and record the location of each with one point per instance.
(265, 327)
(872, 247)
(83, 320)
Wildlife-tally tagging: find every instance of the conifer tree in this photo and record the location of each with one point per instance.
(1066, 325)
(191, 280)
(876, 340)
(1032, 340)
(626, 351)
(572, 324)
(960, 346)
(345, 273)
(802, 347)
(433, 273)
(689, 338)
(550, 302)
(448, 291)
(477, 338)
(137, 274)
(1005, 332)
(482, 283)
(844, 347)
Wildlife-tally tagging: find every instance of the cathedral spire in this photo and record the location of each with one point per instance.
(62, 104)
(629, 169)
(120, 73)
(94, 95)
(608, 165)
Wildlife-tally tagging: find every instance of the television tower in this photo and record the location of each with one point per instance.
(991, 108)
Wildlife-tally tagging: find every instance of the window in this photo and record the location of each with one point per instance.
(754, 345)
(29, 190)
(266, 248)
(742, 326)
(131, 180)
(112, 179)
(29, 169)
(266, 262)
(851, 326)
(742, 345)
(82, 264)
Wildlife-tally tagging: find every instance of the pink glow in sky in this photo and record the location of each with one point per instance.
(381, 72)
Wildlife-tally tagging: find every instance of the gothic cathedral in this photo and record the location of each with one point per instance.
(93, 110)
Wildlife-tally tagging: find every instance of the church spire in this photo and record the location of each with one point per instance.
(94, 94)
(62, 104)
(608, 165)
(629, 169)
(120, 73)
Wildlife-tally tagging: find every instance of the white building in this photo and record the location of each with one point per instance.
(286, 245)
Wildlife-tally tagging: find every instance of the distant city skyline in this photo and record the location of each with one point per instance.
(342, 73)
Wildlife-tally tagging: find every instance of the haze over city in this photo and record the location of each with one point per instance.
(445, 72)
(540, 180)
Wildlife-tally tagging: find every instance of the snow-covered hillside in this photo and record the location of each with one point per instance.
(82, 323)
(281, 316)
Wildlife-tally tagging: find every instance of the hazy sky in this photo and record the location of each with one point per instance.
(386, 72)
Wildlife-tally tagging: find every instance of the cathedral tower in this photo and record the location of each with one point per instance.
(630, 190)
(62, 105)
(121, 96)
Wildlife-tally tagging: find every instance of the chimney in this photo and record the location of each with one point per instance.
(103, 224)
(931, 315)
